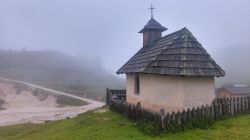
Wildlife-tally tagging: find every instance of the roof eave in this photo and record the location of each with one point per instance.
(122, 72)
(162, 29)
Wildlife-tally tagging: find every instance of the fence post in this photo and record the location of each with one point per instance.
(228, 106)
(162, 118)
(107, 97)
(247, 103)
(178, 117)
(167, 120)
(183, 116)
(222, 102)
(189, 115)
(235, 105)
(198, 110)
(238, 105)
(231, 101)
(138, 111)
(212, 111)
(248, 100)
(220, 108)
(194, 113)
(215, 110)
(203, 114)
(172, 117)
(207, 112)
(243, 104)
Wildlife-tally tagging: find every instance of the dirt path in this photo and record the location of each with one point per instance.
(42, 114)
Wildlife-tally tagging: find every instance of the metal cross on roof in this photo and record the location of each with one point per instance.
(152, 10)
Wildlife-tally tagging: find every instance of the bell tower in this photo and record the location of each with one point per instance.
(152, 30)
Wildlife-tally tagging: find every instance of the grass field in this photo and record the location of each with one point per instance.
(98, 125)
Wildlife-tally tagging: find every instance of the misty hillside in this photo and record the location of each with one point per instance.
(82, 76)
(235, 61)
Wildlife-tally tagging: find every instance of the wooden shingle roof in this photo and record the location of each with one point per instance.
(153, 25)
(178, 53)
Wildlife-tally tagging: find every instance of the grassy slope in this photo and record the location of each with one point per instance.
(110, 125)
(42, 95)
(68, 101)
(89, 91)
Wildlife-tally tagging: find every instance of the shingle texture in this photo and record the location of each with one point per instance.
(153, 25)
(178, 53)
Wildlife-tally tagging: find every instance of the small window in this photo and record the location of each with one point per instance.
(137, 84)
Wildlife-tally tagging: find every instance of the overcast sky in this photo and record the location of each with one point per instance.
(109, 28)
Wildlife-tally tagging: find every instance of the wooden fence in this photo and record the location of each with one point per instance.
(220, 107)
(117, 94)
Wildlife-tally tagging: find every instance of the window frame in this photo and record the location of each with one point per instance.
(137, 84)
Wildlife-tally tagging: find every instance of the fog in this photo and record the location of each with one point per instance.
(108, 30)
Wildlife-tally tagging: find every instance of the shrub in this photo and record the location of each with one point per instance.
(202, 123)
(174, 127)
(153, 128)
(149, 128)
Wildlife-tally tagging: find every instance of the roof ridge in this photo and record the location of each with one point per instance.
(176, 32)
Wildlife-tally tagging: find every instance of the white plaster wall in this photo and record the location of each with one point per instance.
(171, 92)
(198, 91)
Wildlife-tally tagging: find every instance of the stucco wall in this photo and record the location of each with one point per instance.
(171, 92)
